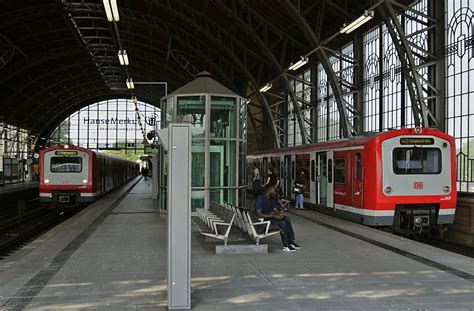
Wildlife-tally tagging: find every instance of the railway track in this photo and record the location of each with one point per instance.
(438, 242)
(433, 241)
(20, 232)
(451, 246)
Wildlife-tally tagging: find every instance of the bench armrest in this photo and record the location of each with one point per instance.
(215, 224)
(266, 222)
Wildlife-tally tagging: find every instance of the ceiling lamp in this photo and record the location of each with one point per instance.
(266, 87)
(130, 84)
(368, 15)
(123, 57)
(303, 61)
(111, 10)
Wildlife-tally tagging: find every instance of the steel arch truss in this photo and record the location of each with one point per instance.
(417, 59)
(339, 83)
(273, 43)
(98, 38)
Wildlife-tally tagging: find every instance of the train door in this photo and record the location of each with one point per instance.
(322, 179)
(287, 186)
(330, 179)
(357, 180)
(312, 178)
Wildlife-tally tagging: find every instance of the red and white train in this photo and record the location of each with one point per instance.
(70, 174)
(404, 178)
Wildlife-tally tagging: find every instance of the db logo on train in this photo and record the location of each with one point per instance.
(418, 185)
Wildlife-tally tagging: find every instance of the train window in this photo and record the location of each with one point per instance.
(358, 166)
(293, 170)
(66, 165)
(313, 169)
(330, 171)
(415, 160)
(340, 171)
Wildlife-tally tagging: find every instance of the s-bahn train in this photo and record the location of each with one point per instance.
(405, 179)
(70, 174)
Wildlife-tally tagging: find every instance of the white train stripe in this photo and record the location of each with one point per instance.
(365, 212)
(447, 211)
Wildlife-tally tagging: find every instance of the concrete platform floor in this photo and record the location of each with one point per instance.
(112, 257)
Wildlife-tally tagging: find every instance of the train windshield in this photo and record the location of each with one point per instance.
(66, 164)
(416, 160)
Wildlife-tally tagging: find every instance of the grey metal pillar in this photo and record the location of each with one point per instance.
(176, 139)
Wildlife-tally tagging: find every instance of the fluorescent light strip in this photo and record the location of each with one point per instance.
(115, 11)
(367, 16)
(125, 57)
(130, 84)
(121, 58)
(266, 87)
(303, 61)
(108, 10)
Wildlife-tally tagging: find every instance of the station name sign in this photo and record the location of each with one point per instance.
(416, 141)
(110, 121)
(65, 152)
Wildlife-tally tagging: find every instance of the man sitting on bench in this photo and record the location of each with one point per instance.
(266, 208)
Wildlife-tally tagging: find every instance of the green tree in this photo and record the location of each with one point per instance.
(124, 154)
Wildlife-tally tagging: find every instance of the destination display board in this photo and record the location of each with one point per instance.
(66, 152)
(416, 141)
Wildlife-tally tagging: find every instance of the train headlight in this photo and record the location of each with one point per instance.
(418, 130)
(388, 189)
(66, 146)
(418, 221)
(446, 189)
(84, 181)
(46, 181)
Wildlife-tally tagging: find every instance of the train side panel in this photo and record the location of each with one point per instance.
(77, 175)
(396, 178)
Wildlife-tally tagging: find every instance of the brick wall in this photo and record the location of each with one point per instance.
(462, 231)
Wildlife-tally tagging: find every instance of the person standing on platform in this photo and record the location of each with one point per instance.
(299, 191)
(145, 172)
(256, 179)
(272, 179)
(265, 207)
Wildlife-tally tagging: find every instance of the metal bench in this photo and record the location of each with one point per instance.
(219, 220)
(251, 225)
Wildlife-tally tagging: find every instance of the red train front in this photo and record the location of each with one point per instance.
(405, 178)
(70, 174)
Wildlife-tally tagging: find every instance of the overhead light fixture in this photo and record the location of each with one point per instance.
(266, 87)
(130, 84)
(120, 56)
(111, 10)
(303, 61)
(367, 16)
(123, 57)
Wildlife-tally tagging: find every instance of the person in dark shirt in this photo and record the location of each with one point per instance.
(299, 184)
(266, 208)
(272, 179)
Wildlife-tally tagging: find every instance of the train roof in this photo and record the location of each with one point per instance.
(350, 142)
(99, 154)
